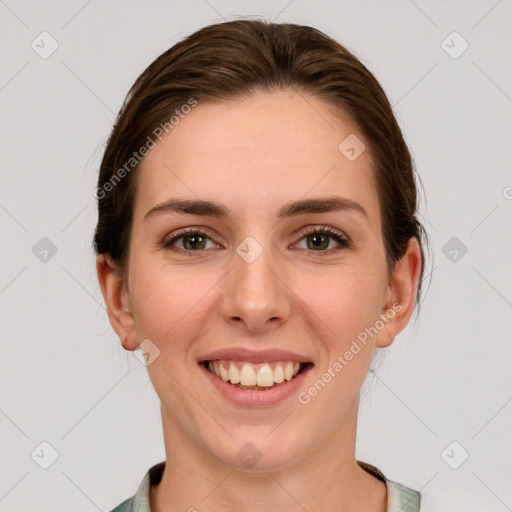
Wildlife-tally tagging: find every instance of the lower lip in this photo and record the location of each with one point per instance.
(253, 397)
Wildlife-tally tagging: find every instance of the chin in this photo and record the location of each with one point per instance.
(260, 449)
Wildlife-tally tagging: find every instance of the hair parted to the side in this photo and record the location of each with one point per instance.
(235, 59)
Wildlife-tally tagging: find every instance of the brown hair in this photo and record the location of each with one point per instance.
(235, 59)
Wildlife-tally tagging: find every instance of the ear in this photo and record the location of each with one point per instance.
(117, 299)
(400, 295)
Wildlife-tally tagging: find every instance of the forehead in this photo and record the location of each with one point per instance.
(256, 154)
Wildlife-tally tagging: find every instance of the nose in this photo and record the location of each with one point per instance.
(255, 294)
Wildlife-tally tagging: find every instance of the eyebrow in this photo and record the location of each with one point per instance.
(291, 209)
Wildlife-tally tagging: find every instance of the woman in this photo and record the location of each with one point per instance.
(257, 238)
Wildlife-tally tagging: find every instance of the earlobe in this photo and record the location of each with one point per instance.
(117, 301)
(401, 294)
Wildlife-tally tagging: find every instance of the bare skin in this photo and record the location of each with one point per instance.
(254, 156)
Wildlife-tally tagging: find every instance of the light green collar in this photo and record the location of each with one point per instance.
(400, 498)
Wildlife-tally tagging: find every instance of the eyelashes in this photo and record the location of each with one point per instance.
(186, 233)
(200, 237)
(328, 232)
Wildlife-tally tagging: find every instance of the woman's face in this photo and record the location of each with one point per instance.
(256, 288)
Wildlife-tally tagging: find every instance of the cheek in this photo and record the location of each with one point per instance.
(155, 301)
(167, 302)
(344, 299)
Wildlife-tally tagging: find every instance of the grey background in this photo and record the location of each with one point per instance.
(64, 377)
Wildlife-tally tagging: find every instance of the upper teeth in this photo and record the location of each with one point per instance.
(248, 374)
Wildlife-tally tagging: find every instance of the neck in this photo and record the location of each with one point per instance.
(328, 478)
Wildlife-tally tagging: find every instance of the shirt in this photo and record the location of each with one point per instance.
(400, 498)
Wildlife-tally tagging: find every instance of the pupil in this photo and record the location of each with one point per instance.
(316, 237)
(193, 246)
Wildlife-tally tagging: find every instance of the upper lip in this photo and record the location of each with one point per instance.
(253, 356)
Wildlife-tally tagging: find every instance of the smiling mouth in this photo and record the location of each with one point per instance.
(261, 376)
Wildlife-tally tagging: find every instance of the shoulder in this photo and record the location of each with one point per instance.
(139, 502)
(458, 501)
(445, 499)
(125, 506)
(400, 497)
